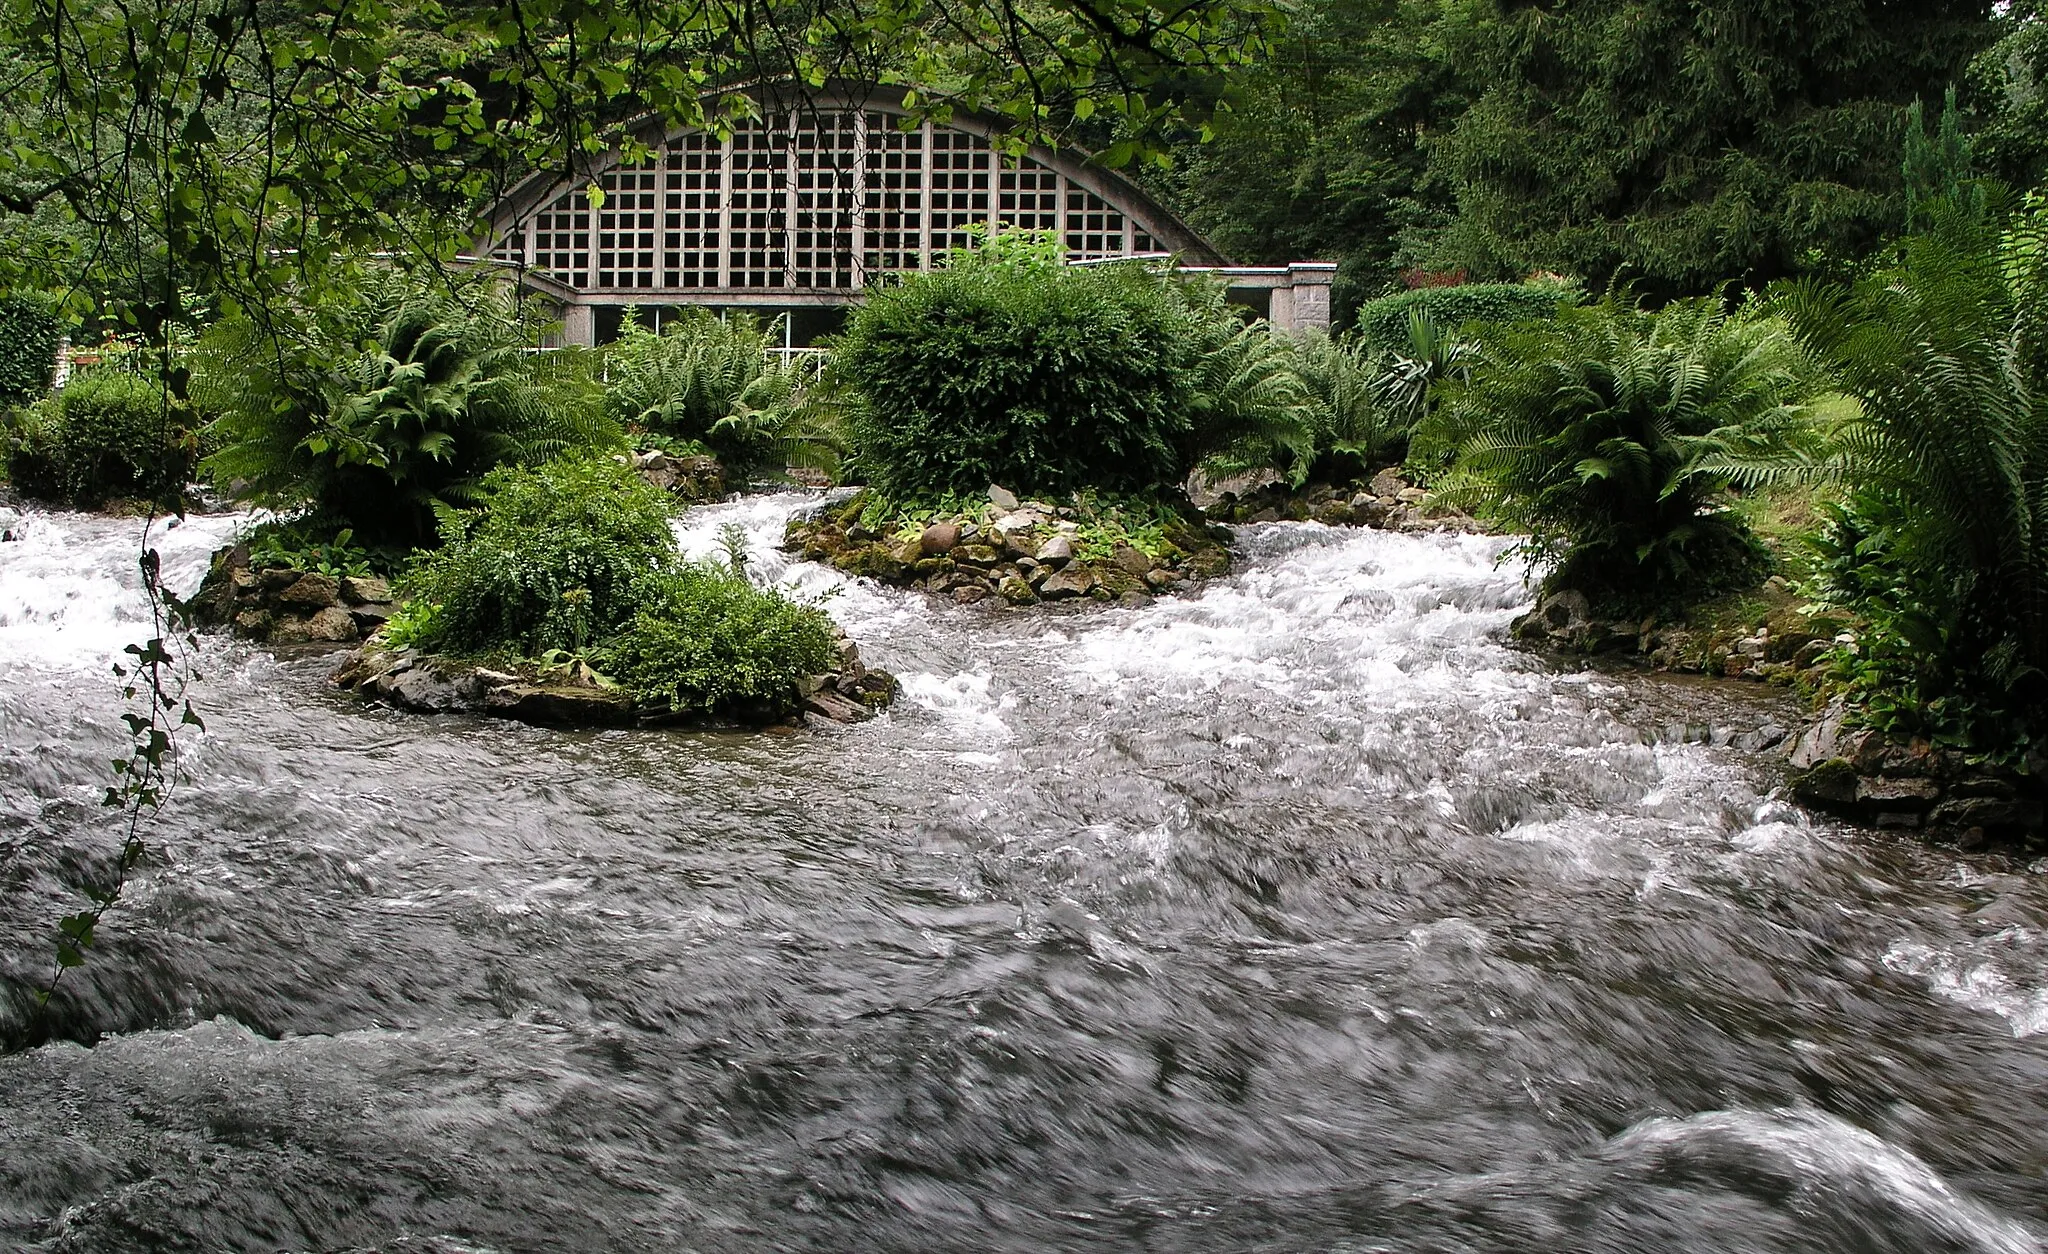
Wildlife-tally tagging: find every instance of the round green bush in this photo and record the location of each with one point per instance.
(1042, 378)
(109, 434)
(557, 557)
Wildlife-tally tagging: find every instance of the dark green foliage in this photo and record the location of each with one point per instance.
(713, 381)
(578, 555)
(1944, 545)
(1382, 325)
(1599, 434)
(1357, 427)
(391, 410)
(1006, 368)
(1326, 153)
(2008, 89)
(1679, 144)
(108, 435)
(707, 640)
(28, 348)
(555, 557)
(1939, 170)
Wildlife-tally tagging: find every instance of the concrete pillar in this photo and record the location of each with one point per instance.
(1280, 309)
(579, 326)
(1308, 295)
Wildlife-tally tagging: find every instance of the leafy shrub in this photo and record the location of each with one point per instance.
(712, 381)
(1943, 544)
(1605, 434)
(108, 434)
(578, 556)
(1382, 325)
(1008, 367)
(554, 557)
(28, 348)
(384, 414)
(706, 639)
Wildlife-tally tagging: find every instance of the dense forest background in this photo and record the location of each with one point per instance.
(1672, 145)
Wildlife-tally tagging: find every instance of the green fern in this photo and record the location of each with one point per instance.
(382, 416)
(1603, 435)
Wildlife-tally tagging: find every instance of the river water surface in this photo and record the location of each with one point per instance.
(1299, 915)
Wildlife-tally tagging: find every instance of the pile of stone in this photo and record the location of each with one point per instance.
(1861, 775)
(1012, 552)
(574, 696)
(287, 605)
(1389, 502)
(690, 478)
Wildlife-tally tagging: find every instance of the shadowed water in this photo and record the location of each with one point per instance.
(1299, 915)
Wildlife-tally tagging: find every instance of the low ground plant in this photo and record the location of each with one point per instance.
(1605, 435)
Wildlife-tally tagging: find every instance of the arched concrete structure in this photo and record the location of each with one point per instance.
(799, 210)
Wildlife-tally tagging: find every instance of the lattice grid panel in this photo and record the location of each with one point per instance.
(827, 167)
(693, 211)
(892, 196)
(561, 239)
(812, 201)
(625, 227)
(757, 217)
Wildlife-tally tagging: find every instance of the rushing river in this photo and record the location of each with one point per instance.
(1300, 915)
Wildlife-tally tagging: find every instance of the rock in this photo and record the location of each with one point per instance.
(976, 555)
(1019, 543)
(938, 538)
(370, 617)
(10, 525)
(1017, 592)
(1073, 582)
(2012, 814)
(255, 624)
(277, 578)
(1888, 792)
(828, 704)
(1826, 784)
(1161, 578)
(1411, 496)
(494, 679)
(968, 594)
(1057, 551)
(311, 590)
(333, 625)
(423, 691)
(1830, 737)
(1334, 514)
(1130, 560)
(556, 706)
(1388, 482)
(1002, 498)
(365, 590)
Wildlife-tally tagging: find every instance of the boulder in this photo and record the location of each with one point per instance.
(1388, 482)
(1002, 498)
(365, 590)
(333, 625)
(830, 705)
(968, 594)
(1072, 582)
(1130, 560)
(559, 706)
(311, 590)
(938, 538)
(1057, 551)
(1019, 543)
(976, 555)
(1017, 592)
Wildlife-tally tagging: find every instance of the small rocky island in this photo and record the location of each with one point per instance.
(1016, 552)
